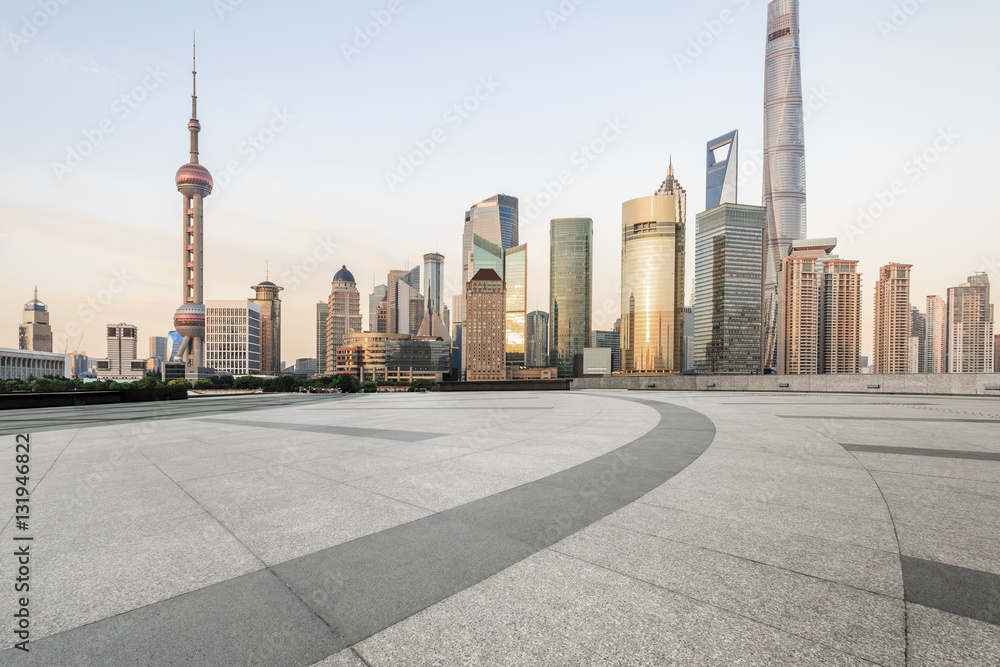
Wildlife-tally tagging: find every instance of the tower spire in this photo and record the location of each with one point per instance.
(194, 126)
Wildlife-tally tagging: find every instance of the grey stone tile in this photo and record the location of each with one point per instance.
(280, 513)
(352, 466)
(867, 569)
(79, 578)
(421, 452)
(937, 638)
(862, 624)
(346, 658)
(522, 467)
(184, 470)
(436, 487)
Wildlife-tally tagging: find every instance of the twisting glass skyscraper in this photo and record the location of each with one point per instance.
(784, 155)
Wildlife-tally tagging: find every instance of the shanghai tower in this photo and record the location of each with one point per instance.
(784, 156)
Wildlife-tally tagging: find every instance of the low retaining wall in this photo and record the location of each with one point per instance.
(23, 401)
(944, 384)
(509, 385)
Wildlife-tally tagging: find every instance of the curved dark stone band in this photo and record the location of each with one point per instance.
(301, 611)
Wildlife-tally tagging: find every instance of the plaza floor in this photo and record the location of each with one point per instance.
(555, 528)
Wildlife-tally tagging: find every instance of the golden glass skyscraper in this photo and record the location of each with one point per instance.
(652, 334)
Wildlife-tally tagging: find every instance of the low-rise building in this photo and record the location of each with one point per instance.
(23, 364)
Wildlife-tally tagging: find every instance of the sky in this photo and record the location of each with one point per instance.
(359, 133)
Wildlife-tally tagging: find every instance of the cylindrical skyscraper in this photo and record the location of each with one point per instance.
(784, 156)
(434, 282)
(194, 182)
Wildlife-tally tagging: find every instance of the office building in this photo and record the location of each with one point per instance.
(375, 357)
(892, 320)
(174, 341)
(840, 317)
(24, 364)
(434, 282)
(784, 156)
(374, 300)
(721, 182)
(322, 315)
(688, 340)
(652, 298)
(158, 348)
(936, 345)
(232, 337)
(515, 277)
(571, 270)
(35, 332)
(592, 362)
(728, 290)
(970, 327)
(268, 300)
(343, 314)
(609, 340)
(537, 344)
(495, 220)
(122, 363)
(195, 183)
(404, 303)
(485, 330)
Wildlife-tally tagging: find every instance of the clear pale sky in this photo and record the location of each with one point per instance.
(101, 235)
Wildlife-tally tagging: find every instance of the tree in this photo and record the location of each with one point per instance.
(180, 382)
(369, 387)
(204, 384)
(251, 382)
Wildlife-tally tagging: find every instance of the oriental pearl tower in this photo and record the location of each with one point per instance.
(194, 182)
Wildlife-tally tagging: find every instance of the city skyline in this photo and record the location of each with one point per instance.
(125, 283)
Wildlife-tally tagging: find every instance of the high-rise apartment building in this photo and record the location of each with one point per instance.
(936, 345)
(232, 337)
(918, 342)
(537, 348)
(268, 300)
(784, 155)
(729, 275)
(35, 332)
(122, 364)
(515, 277)
(343, 316)
(652, 297)
(571, 269)
(970, 327)
(485, 330)
(798, 318)
(840, 317)
(892, 320)
(322, 314)
(405, 304)
(374, 299)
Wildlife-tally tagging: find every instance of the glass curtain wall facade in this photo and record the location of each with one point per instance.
(434, 282)
(571, 267)
(537, 348)
(515, 275)
(784, 155)
(494, 219)
(652, 296)
(728, 292)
